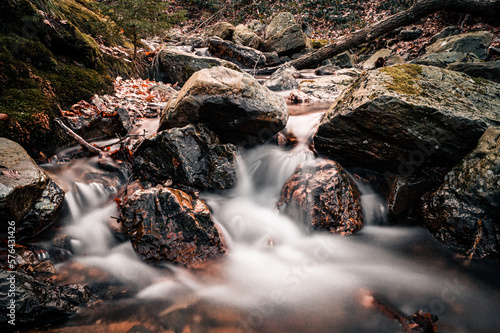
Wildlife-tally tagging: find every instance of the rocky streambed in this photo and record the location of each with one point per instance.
(371, 207)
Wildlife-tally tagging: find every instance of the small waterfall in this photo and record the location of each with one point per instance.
(87, 217)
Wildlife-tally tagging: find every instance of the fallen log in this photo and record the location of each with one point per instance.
(78, 138)
(419, 10)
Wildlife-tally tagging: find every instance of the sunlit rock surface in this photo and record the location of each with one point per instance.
(232, 104)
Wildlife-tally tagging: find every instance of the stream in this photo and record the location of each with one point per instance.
(277, 276)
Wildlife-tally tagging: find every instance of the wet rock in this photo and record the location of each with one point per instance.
(39, 302)
(243, 56)
(297, 96)
(410, 34)
(191, 156)
(177, 66)
(326, 70)
(486, 70)
(446, 32)
(223, 30)
(168, 225)
(370, 62)
(284, 35)
(326, 88)
(352, 72)
(43, 212)
(232, 104)
(246, 37)
(283, 79)
(444, 59)
(27, 195)
(464, 211)
(323, 196)
(408, 118)
(476, 42)
(403, 194)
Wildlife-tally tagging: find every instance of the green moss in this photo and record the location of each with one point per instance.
(480, 81)
(319, 43)
(403, 79)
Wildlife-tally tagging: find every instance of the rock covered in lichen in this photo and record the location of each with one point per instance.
(408, 118)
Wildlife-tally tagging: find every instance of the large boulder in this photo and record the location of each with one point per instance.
(476, 42)
(321, 195)
(177, 66)
(246, 37)
(191, 156)
(168, 225)
(284, 35)
(232, 104)
(444, 59)
(464, 212)
(223, 30)
(243, 56)
(283, 79)
(343, 60)
(408, 118)
(485, 70)
(27, 195)
(446, 32)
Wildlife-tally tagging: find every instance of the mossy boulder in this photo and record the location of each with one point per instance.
(464, 211)
(246, 37)
(408, 119)
(243, 56)
(46, 62)
(223, 30)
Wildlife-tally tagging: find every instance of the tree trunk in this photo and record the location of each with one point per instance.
(419, 10)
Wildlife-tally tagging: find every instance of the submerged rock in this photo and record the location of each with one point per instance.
(243, 56)
(284, 35)
(177, 66)
(326, 70)
(27, 195)
(476, 42)
(322, 195)
(464, 212)
(168, 225)
(408, 118)
(232, 104)
(191, 156)
(283, 79)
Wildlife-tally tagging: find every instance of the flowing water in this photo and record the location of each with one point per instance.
(277, 276)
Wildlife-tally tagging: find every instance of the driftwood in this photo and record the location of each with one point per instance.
(78, 138)
(419, 10)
